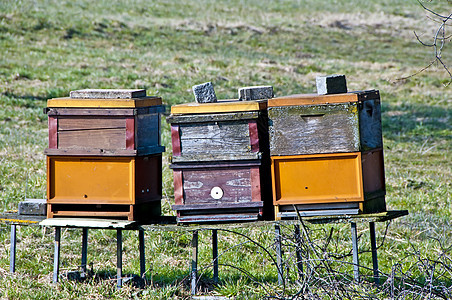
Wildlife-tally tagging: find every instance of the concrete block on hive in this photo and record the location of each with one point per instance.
(204, 93)
(36, 207)
(256, 92)
(331, 84)
(108, 93)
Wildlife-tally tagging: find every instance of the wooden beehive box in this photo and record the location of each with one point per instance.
(221, 161)
(107, 127)
(312, 124)
(104, 186)
(326, 154)
(104, 156)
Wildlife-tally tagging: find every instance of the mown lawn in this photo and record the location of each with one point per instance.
(48, 48)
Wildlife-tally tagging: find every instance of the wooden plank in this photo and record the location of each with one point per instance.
(96, 152)
(90, 123)
(53, 132)
(205, 157)
(215, 117)
(213, 138)
(130, 134)
(254, 136)
(314, 129)
(218, 218)
(104, 103)
(235, 184)
(90, 112)
(311, 99)
(89, 223)
(225, 106)
(178, 187)
(215, 164)
(217, 206)
(255, 184)
(89, 139)
(175, 140)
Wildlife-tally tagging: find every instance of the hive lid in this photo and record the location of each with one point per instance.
(104, 103)
(313, 99)
(222, 106)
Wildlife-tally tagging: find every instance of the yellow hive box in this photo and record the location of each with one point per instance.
(104, 103)
(326, 179)
(103, 186)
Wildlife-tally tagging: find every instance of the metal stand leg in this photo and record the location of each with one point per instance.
(56, 255)
(278, 253)
(355, 252)
(142, 253)
(194, 262)
(298, 251)
(84, 252)
(373, 245)
(12, 258)
(215, 254)
(119, 258)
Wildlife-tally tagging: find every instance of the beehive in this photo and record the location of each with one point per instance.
(104, 155)
(326, 154)
(220, 161)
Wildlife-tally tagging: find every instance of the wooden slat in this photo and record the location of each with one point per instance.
(217, 206)
(235, 183)
(130, 133)
(312, 99)
(254, 136)
(219, 107)
(175, 140)
(90, 112)
(104, 103)
(90, 123)
(178, 187)
(96, 152)
(53, 132)
(89, 139)
(215, 117)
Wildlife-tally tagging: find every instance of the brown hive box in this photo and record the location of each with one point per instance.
(104, 157)
(221, 161)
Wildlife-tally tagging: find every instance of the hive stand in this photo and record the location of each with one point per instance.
(85, 224)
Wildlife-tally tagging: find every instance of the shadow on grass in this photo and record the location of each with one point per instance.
(413, 123)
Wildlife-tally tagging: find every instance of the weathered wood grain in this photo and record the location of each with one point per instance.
(200, 118)
(235, 183)
(90, 123)
(224, 137)
(89, 139)
(370, 124)
(313, 129)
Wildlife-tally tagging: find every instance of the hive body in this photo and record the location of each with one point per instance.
(104, 157)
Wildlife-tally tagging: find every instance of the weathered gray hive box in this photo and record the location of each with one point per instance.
(220, 161)
(311, 124)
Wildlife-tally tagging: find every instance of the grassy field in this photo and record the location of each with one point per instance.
(48, 48)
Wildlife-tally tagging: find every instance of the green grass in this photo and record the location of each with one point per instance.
(49, 48)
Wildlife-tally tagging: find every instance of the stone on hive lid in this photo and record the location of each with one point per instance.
(204, 93)
(108, 94)
(331, 84)
(256, 92)
(36, 207)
